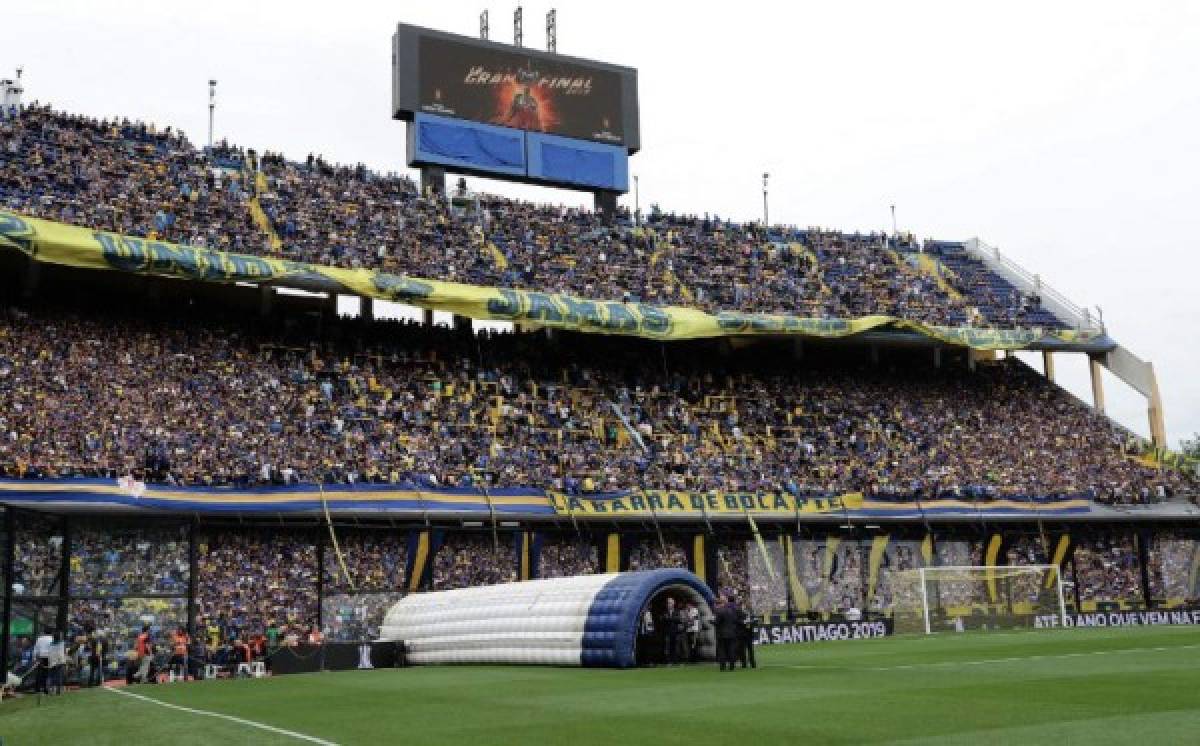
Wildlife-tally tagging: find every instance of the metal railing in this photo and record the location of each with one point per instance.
(1064, 308)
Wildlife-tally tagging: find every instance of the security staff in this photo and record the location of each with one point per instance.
(647, 650)
(747, 627)
(96, 652)
(725, 624)
(671, 625)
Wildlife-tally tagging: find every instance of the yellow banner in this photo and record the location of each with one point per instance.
(705, 503)
(72, 246)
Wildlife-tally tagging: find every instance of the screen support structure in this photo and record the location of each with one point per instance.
(605, 201)
(433, 179)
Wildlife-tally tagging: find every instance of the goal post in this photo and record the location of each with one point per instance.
(928, 600)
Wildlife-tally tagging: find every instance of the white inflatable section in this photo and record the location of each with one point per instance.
(531, 622)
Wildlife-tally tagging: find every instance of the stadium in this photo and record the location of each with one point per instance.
(293, 450)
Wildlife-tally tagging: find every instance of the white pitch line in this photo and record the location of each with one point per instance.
(222, 716)
(1015, 659)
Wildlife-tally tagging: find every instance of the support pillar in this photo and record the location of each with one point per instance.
(6, 614)
(605, 202)
(1154, 410)
(321, 581)
(64, 576)
(366, 309)
(937, 358)
(427, 317)
(193, 579)
(266, 300)
(797, 349)
(433, 180)
(1048, 364)
(1097, 383)
(874, 350)
(154, 291)
(31, 279)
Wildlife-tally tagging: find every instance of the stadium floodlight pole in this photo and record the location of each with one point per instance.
(766, 219)
(484, 28)
(893, 220)
(518, 28)
(552, 31)
(212, 105)
(637, 206)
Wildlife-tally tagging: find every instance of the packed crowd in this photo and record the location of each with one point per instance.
(212, 401)
(257, 588)
(37, 556)
(830, 571)
(250, 582)
(375, 562)
(1106, 568)
(352, 617)
(955, 591)
(121, 561)
(119, 620)
(1174, 569)
(132, 178)
(469, 560)
(733, 573)
(651, 554)
(563, 558)
(898, 556)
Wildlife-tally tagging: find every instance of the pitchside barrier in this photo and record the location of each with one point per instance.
(337, 656)
(780, 632)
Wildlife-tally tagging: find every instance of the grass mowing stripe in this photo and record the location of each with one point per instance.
(231, 718)
(1011, 659)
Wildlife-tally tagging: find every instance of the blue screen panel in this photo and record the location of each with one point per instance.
(578, 162)
(455, 142)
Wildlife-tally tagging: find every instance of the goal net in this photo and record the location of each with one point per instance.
(957, 599)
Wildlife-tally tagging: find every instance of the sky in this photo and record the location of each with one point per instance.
(1065, 133)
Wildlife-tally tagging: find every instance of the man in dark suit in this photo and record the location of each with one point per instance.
(725, 624)
(747, 627)
(671, 631)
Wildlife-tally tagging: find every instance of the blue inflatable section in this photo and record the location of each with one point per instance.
(455, 142)
(610, 633)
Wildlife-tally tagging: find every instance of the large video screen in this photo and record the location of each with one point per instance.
(453, 76)
(516, 90)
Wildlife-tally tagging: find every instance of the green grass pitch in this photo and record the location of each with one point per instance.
(1094, 686)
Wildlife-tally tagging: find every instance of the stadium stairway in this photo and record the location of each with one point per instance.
(799, 249)
(496, 254)
(259, 216)
(668, 275)
(938, 272)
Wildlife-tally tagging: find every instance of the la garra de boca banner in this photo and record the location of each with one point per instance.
(723, 504)
(73, 246)
(698, 503)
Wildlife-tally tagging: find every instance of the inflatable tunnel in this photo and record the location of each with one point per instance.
(586, 620)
